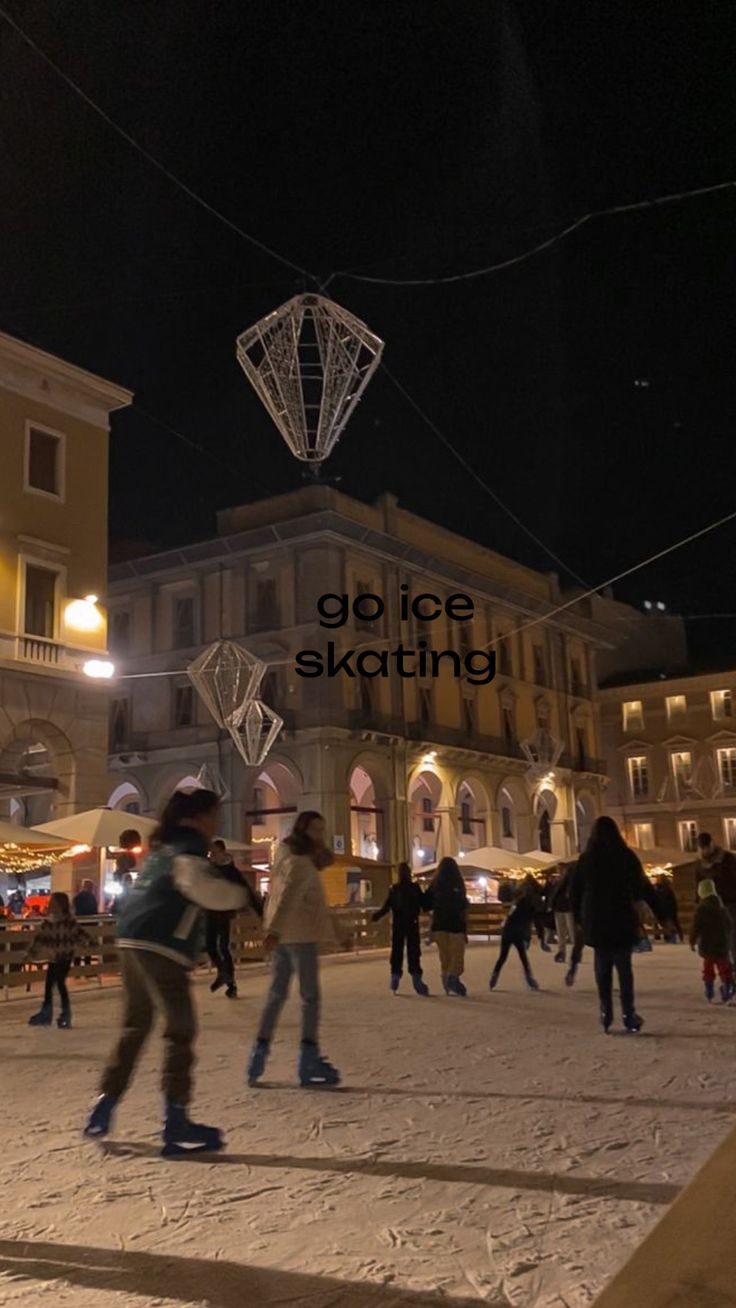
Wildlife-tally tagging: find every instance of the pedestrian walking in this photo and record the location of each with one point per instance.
(516, 932)
(158, 935)
(57, 940)
(711, 934)
(218, 924)
(608, 884)
(405, 901)
(85, 900)
(561, 905)
(719, 865)
(296, 920)
(448, 900)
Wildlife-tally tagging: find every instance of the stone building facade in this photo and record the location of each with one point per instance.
(403, 767)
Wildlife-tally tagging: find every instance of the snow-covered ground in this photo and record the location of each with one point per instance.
(497, 1149)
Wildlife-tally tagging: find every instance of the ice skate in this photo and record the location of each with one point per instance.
(182, 1136)
(217, 984)
(315, 1069)
(725, 992)
(257, 1061)
(395, 980)
(64, 1020)
(606, 1019)
(445, 986)
(232, 991)
(493, 980)
(44, 1016)
(560, 956)
(419, 984)
(544, 946)
(455, 987)
(633, 1023)
(709, 990)
(100, 1119)
(532, 982)
(570, 976)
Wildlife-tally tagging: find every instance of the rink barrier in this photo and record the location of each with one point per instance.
(355, 933)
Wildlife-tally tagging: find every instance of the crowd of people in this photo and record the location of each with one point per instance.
(189, 877)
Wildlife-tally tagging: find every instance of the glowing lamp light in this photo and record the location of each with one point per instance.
(430, 756)
(99, 669)
(84, 615)
(483, 883)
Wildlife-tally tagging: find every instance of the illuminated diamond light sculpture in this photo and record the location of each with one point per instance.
(255, 735)
(542, 749)
(226, 677)
(706, 781)
(209, 777)
(309, 362)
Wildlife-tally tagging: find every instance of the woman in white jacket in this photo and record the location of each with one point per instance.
(296, 920)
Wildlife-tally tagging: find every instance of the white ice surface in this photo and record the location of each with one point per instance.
(498, 1149)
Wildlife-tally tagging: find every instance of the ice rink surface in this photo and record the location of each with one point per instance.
(498, 1149)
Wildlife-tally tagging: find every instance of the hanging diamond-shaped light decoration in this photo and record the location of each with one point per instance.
(542, 749)
(255, 735)
(226, 677)
(706, 780)
(309, 361)
(209, 777)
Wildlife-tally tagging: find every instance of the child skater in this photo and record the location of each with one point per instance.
(59, 939)
(711, 933)
(405, 902)
(517, 931)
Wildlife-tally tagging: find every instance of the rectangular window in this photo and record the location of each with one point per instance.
(466, 824)
(120, 631)
(119, 723)
(638, 777)
(365, 690)
(581, 741)
(427, 815)
(509, 726)
(184, 633)
(676, 707)
(633, 716)
(363, 623)
(727, 768)
(257, 816)
(40, 604)
(44, 467)
(644, 835)
(468, 703)
(425, 705)
(576, 677)
(266, 616)
(721, 704)
(688, 836)
(183, 706)
(505, 663)
(540, 669)
(507, 823)
(464, 631)
(729, 827)
(682, 767)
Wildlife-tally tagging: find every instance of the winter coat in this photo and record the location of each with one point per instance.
(518, 925)
(85, 904)
(60, 938)
(711, 930)
(449, 905)
(606, 888)
(229, 872)
(722, 870)
(404, 901)
(296, 909)
(668, 902)
(560, 897)
(161, 912)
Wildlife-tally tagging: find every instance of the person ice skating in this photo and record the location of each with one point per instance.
(670, 908)
(58, 938)
(711, 933)
(405, 901)
(158, 932)
(217, 932)
(296, 919)
(560, 904)
(608, 884)
(448, 900)
(719, 865)
(517, 931)
(542, 913)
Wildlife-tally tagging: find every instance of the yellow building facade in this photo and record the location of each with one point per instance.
(54, 432)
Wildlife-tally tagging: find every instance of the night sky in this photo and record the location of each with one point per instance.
(398, 138)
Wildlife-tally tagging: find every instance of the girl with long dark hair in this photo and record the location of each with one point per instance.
(158, 940)
(448, 899)
(296, 919)
(58, 939)
(607, 885)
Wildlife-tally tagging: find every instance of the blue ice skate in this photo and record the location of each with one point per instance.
(395, 980)
(44, 1016)
(257, 1061)
(455, 986)
(100, 1118)
(420, 985)
(709, 990)
(633, 1023)
(182, 1136)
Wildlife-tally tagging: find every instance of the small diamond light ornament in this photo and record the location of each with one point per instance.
(542, 749)
(226, 677)
(309, 362)
(706, 781)
(255, 735)
(209, 777)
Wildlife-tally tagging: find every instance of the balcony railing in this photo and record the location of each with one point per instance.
(36, 649)
(38, 652)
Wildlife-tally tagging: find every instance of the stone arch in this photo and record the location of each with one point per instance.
(129, 793)
(36, 750)
(369, 789)
(272, 798)
(425, 792)
(545, 810)
(515, 815)
(474, 806)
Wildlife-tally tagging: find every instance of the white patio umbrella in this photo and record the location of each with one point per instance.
(661, 857)
(28, 838)
(99, 827)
